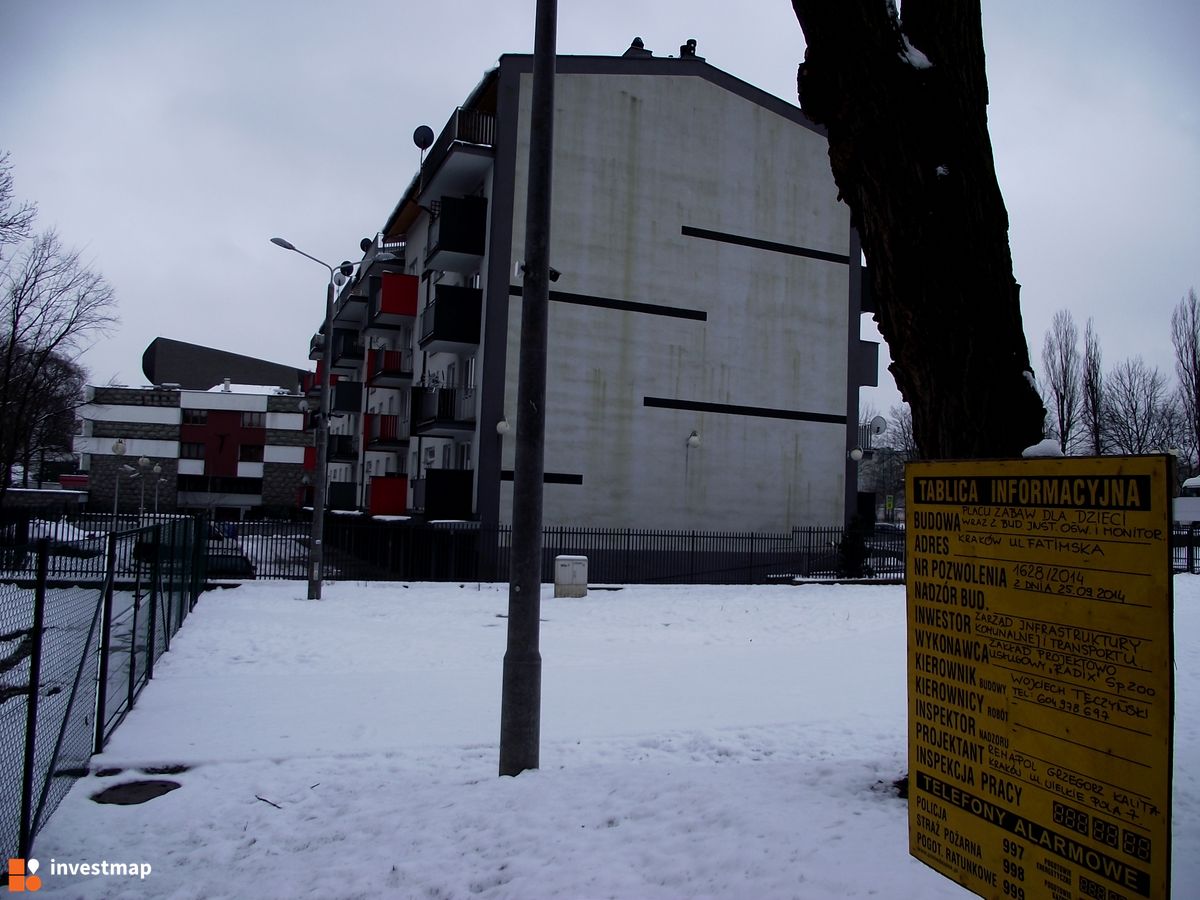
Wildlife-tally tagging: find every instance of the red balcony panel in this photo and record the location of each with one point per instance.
(398, 294)
(389, 495)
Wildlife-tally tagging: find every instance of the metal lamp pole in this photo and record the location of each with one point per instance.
(118, 449)
(144, 467)
(520, 704)
(319, 489)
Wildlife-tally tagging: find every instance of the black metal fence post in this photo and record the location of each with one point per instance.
(155, 594)
(25, 837)
(105, 641)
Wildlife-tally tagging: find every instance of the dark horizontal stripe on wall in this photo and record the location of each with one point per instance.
(728, 409)
(547, 477)
(757, 244)
(650, 309)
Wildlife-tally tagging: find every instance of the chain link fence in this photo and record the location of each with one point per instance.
(74, 654)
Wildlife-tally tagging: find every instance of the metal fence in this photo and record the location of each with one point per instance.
(75, 651)
(359, 548)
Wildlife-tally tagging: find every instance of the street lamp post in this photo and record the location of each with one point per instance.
(118, 450)
(143, 468)
(322, 479)
(158, 479)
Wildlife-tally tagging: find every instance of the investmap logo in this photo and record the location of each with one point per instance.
(22, 876)
(23, 873)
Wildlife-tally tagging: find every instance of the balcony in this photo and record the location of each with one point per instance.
(450, 324)
(389, 368)
(457, 234)
(461, 156)
(316, 346)
(445, 493)
(384, 432)
(347, 397)
(393, 301)
(343, 448)
(342, 495)
(443, 412)
(348, 351)
(388, 495)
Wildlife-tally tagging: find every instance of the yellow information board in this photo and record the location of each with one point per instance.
(1040, 675)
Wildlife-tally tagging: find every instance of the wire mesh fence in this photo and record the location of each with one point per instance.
(74, 656)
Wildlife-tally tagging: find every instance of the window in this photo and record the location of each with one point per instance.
(254, 420)
(195, 417)
(191, 450)
(250, 453)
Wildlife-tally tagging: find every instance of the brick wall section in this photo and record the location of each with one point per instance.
(135, 430)
(286, 403)
(102, 481)
(281, 484)
(282, 438)
(111, 396)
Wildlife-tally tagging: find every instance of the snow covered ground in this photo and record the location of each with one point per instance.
(722, 742)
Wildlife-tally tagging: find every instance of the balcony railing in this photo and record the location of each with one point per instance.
(390, 365)
(393, 299)
(457, 234)
(451, 322)
(385, 430)
(343, 447)
(443, 409)
(466, 126)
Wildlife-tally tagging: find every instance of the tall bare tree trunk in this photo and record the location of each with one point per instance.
(905, 106)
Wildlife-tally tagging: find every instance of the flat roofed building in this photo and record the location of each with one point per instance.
(704, 357)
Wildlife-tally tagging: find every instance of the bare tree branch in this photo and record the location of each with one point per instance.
(52, 306)
(1061, 373)
(1139, 413)
(1092, 387)
(1185, 336)
(16, 222)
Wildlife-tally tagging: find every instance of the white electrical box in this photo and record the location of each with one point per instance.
(570, 576)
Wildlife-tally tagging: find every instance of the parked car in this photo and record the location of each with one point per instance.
(67, 539)
(225, 557)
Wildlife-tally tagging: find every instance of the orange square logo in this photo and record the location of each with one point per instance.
(22, 876)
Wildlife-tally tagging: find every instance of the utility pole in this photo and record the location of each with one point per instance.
(521, 703)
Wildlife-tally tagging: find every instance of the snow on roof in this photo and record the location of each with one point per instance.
(1048, 447)
(248, 389)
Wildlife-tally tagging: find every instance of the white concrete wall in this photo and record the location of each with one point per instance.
(222, 400)
(151, 415)
(636, 158)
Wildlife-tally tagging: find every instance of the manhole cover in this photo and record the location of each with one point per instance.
(132, 792)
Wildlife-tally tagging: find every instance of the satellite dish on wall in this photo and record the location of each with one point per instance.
(423, 137)
(878, 425)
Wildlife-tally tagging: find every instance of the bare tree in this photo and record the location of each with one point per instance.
(900, 431)
(1092, 389)
(905, 106)
(52, 306)
(16, 221)
(1140, 415)
(50, 424)
(1185, 336)
(1061, 375)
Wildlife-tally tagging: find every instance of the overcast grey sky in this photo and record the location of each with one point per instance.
(170, 140)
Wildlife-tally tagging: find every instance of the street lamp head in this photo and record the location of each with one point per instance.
(280, 242)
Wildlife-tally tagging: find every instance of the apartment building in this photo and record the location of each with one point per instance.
(227, 451)
(704, 357)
